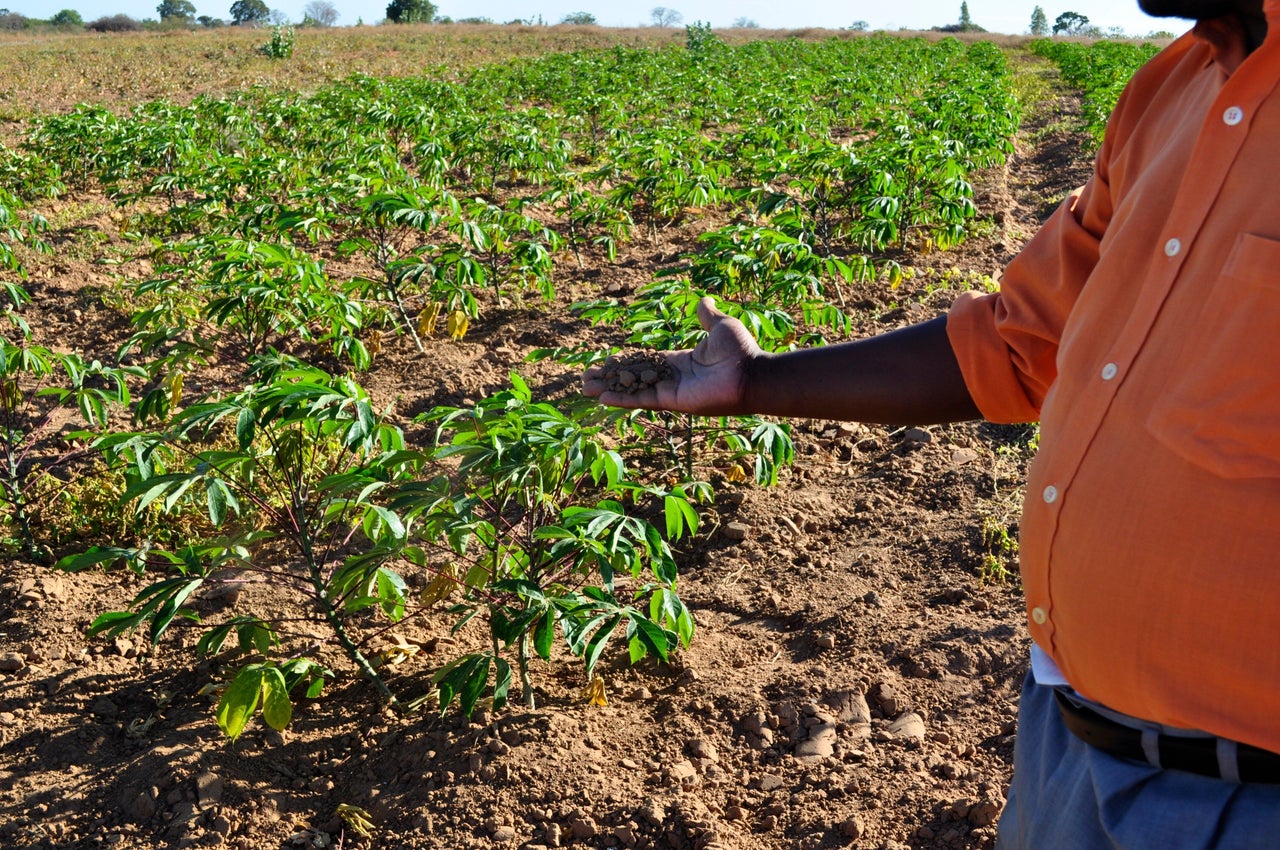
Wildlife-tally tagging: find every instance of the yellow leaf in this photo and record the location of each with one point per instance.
(175, 390)
(375, 343)
(736, 474)
(395, 653)
(441, 587)
(594, 693)
(458, 324)
(10, 395)
(427, 319)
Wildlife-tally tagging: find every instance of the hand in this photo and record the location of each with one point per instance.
(709, 379)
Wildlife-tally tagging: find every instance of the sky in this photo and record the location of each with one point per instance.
(1003, 16)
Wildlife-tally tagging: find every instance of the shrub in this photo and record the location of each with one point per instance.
(281, 44)
(114, 23)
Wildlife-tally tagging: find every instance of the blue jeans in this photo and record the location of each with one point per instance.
(1067, 795)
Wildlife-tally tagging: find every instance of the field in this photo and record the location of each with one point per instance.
(297, 475)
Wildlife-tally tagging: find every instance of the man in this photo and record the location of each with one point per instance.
(1141, 327)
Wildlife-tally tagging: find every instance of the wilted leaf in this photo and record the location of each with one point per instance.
(458, 324)
(175, 390)
(441, 587)
(357, 818)
(395, 652)
(10, 395)
(594, 693)
(427, 319)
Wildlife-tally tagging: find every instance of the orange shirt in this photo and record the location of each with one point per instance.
(1141, 327)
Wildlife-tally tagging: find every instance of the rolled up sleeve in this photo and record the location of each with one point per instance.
(1007, 343)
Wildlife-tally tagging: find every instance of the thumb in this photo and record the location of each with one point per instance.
(709, 314)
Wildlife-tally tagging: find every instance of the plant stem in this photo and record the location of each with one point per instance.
(526, 679)
(335, 623)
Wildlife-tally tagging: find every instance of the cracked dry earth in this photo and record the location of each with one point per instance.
(852, 682)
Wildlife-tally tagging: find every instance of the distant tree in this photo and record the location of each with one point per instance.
(176, 11)
(745, 24)
(859, 26)
(114, 23)
(965, 24)
(1039, 22)
(1116, 32)
(278, 18)
(12, 20)
(322, 13)
(249, 13)
(664, 17)
(483, 20)
(580, 18)
(210, 23)
(1070, 23)
(411, 11)
(67, 18)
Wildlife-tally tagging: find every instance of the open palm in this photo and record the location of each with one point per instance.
(709, 379)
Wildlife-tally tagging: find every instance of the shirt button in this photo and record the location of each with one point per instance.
(1233, 116)
(1039, 617)
(1172, 247)
(1110, 371)
(1050, 494)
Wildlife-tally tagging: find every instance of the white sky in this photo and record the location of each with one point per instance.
(1004, 16)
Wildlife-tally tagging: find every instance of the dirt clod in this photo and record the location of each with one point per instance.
(637, 372)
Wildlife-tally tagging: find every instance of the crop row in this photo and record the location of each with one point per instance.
(1100, 70)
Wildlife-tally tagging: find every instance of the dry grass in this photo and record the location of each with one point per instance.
(55, 71)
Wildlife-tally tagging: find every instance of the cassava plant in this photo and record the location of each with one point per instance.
(303, 460)
(536, 537)
(36, 384)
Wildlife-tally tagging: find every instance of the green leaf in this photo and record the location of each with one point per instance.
(171, 608)
(391, 591)
(246, 424)
(382, 525)
(595, 646)
(652, 636)
(216, 494)
(94, 556)
(544, 634)
(115, 622)
(501, 682)
(240, 700)
(277, 710)
(471, 688)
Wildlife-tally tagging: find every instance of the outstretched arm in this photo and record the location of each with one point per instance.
(907, 377)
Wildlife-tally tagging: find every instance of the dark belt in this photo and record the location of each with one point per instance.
(1195, 755)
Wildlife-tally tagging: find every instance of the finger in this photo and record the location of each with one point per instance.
(646, 399)
(708, 313)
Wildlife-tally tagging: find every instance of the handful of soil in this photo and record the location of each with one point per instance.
(634, 373)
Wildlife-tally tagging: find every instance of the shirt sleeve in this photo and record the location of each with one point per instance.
(1007, 343)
